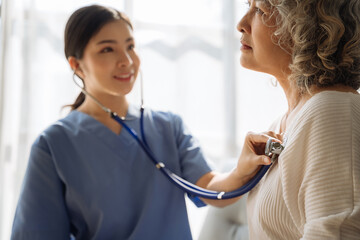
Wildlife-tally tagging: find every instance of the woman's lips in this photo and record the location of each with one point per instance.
(245, 46)
(124, 77)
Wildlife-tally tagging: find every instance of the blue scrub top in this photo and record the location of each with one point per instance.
(84, 180)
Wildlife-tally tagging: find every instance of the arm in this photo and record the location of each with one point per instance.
(250, 160)
(327, 190)
(320, 170)
(41, 211)
(194, 166)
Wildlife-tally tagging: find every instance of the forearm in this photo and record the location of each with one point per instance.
(222, 182)
(248, 165)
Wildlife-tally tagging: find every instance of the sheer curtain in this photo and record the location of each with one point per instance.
(189, 52)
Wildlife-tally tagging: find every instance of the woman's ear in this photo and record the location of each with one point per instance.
(75, 66)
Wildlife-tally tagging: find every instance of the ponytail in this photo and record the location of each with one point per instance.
(79, 100)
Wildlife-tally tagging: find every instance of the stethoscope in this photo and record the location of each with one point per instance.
(272, 149)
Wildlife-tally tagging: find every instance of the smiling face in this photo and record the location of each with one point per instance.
(110, 64)
(258, 50)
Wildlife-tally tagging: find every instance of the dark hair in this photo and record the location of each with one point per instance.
(82, 25)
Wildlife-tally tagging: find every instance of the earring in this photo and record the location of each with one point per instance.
(274, 82)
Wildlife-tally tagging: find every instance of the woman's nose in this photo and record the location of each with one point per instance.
(124, 60)
(243, 25)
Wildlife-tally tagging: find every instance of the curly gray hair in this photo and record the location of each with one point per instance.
(324, 39)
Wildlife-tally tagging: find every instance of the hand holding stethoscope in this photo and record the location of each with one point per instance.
(254, 149)
(272, 149)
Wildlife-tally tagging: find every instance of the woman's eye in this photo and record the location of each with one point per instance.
(106, 50)
(259, 11)
(131, 47)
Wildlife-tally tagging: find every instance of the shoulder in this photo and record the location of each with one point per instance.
(166, 118)
(66, 124)
(324, 130)
(164, 115)
(57, 131)
(167, 123)
(327, 101)
(328, 108)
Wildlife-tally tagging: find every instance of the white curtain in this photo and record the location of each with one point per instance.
(190, 63)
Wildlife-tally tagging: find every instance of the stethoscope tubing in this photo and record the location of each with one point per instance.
(190, 188)
(186, 186)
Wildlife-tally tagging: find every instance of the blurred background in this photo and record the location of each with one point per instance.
(190, 63)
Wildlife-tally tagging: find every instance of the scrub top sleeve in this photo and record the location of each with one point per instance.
(41, 211)
(192, 159)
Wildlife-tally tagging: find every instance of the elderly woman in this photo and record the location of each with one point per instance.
(312, 48)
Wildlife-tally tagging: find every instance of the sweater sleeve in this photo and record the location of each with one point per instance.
(41, 211)
(320, 171)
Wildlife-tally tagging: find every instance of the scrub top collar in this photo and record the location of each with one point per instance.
(92, 125)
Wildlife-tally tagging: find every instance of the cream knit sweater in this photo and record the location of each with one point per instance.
(313, 191)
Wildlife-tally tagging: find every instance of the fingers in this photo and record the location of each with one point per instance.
(263, 137)
(256, 137)
(261, 160)
(276, 136)
(266, 160)
(252, 155)
(256, 142)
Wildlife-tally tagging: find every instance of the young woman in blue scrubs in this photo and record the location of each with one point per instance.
(89, 179)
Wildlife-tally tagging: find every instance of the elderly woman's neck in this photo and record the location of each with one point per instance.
(293, 95)
(295, 101)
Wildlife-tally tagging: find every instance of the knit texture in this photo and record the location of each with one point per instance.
(313, 190)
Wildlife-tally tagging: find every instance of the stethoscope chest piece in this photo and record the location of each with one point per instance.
(273, 149)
